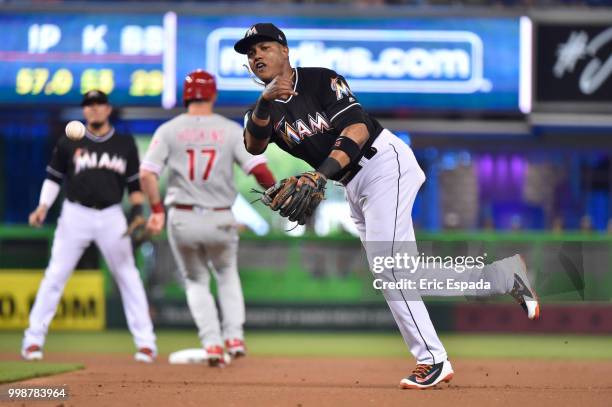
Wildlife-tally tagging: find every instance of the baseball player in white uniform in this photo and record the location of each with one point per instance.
(312, 114)
(199, 148)
(94, 171)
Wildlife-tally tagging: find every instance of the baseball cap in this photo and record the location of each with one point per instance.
(94, 96)
(260, 32)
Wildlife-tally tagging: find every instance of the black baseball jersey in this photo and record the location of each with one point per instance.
(95, 170)
(307, 125)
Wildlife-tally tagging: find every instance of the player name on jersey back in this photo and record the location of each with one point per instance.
(199, 153)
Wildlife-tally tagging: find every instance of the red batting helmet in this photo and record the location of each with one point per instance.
(199, 85)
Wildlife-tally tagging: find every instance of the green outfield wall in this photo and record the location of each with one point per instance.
(318, 282)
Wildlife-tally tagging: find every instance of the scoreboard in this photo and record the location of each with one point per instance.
(55, 58)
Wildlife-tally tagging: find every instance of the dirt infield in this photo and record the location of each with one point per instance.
(303, 382)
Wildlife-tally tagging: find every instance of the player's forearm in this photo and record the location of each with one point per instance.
(254, 145)
(48, 193)
(150, 186)
(263, 175)
(347, 148)
(261, 112)
(357, 132)
(136, 198)
(258, 129)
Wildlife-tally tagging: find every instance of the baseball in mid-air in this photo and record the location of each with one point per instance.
(75, 130)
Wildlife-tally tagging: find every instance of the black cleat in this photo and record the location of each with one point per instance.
(522, 291)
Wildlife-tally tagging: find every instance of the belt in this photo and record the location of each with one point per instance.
(185, 207)
(368, 153)
(92, 206)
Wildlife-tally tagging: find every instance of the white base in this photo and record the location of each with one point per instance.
(192, 356)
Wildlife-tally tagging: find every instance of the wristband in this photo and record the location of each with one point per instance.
(157, 208)
(262, 108)
(259, 132)
(329, 167)
(349, 147)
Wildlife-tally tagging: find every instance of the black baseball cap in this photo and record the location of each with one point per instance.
(93, 97)
(259, 33)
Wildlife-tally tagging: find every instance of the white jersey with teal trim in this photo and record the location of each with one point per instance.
(199, 152)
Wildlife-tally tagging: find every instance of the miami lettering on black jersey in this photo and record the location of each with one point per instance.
(307, 125)
(96, 170)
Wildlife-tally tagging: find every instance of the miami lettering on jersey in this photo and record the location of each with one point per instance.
(83, 159)
(294, 133)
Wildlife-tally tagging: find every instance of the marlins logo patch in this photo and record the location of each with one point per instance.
(341, 88)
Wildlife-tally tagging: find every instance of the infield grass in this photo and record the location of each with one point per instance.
(341, 344)
(16, 370)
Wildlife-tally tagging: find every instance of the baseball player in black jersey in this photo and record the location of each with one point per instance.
(312, 114)
(94, 171)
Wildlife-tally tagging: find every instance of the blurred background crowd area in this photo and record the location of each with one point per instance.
(362, 3)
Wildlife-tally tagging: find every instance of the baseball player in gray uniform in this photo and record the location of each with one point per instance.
(199, 149)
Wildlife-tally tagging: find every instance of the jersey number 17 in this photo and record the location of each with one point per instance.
(208, 154)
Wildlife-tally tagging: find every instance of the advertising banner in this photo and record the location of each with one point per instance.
(82, 306)
(393, 64)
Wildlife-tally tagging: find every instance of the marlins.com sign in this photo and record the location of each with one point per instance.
(394, 61)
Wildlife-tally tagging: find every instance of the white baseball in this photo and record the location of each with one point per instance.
(75, 130)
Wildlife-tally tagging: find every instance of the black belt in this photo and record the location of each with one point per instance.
(92, 206)
(354, 169)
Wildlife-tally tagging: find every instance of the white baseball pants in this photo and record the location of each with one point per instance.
(76, 228)
(381, 197)
(205, 242)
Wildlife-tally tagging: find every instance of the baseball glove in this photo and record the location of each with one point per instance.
(296, 204)
(137, 231)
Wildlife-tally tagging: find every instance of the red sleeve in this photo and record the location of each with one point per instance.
(263, 175)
